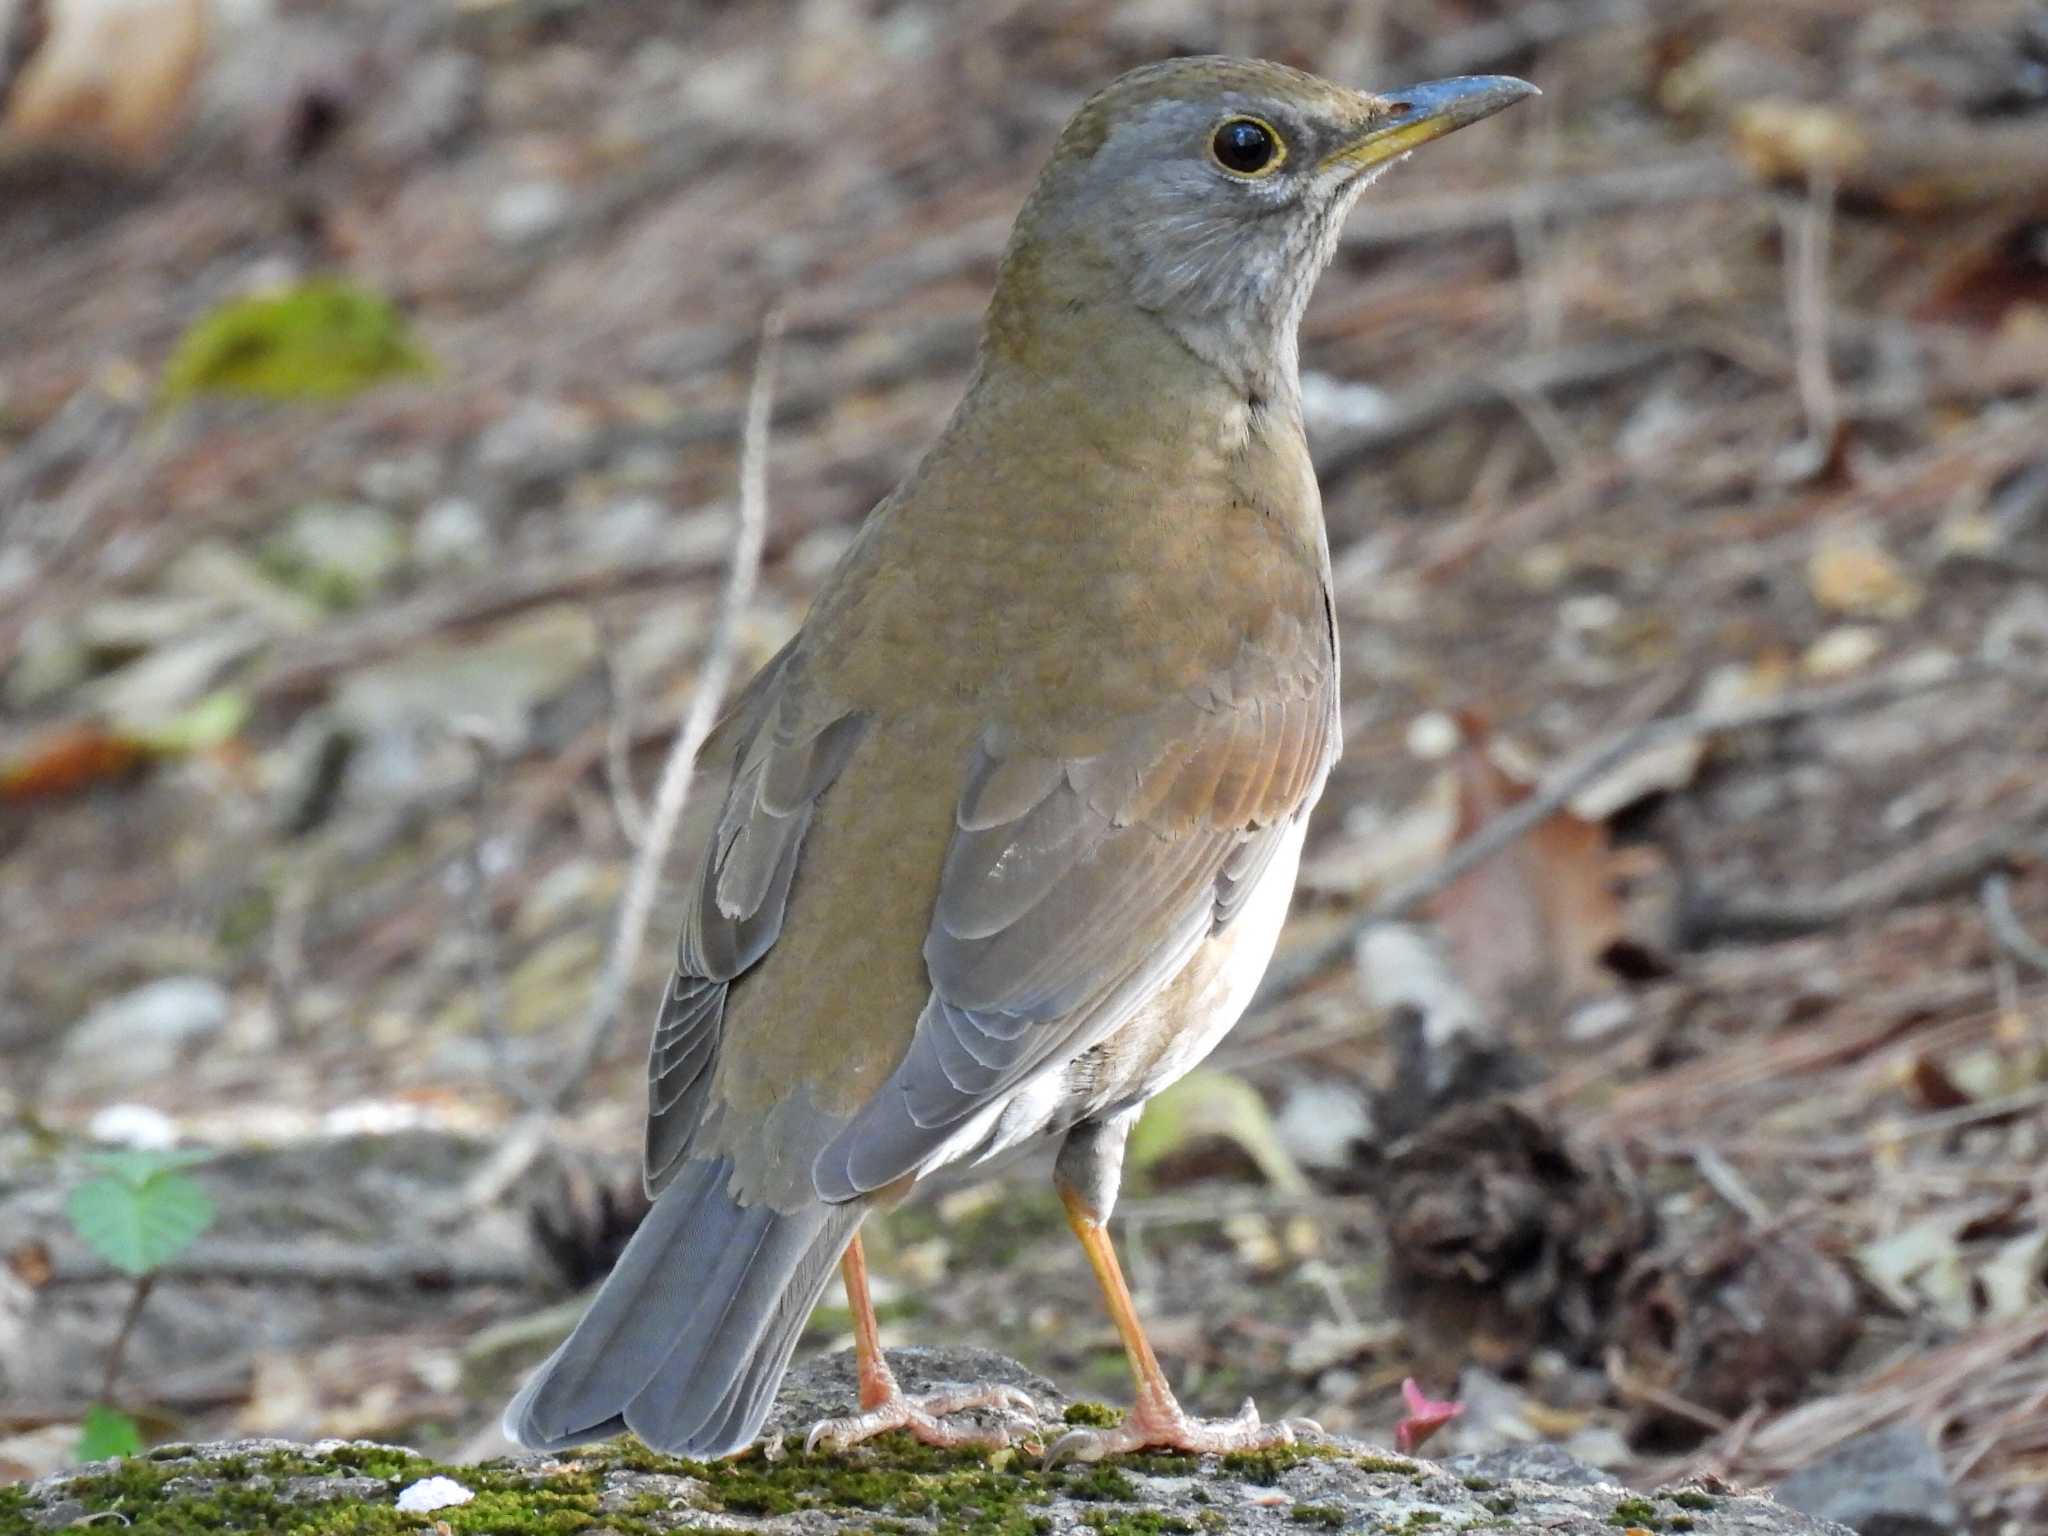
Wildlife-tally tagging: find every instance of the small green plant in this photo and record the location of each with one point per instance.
(138, 1211)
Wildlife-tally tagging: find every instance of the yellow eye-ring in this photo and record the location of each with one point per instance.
(1248, 146)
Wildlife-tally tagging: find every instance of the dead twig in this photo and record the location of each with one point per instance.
(118, 1351)
(630, 932)
(1807, 233)
(297, 1262)
(19, 42)
(627, 809)
(1722, 1178)
(1397, 220)
(1563, 787)
(530, 1135)
(1908, 878)
(476, 917)
(2005, 924)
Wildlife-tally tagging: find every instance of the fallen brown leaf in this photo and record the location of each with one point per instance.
(1529, 928)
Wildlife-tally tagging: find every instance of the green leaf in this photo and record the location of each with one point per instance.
(108, 1432)
(1210, 1102)
(136, 1224)
(200, 726)
(321, 340)
(137, 1165)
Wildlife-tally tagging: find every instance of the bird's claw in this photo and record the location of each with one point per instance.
(1166, 1427)
(922, 1418)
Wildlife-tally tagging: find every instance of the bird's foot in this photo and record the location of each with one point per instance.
(922, 1417)
(1164, 1425)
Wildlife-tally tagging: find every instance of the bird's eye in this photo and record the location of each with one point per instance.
(1245, 146)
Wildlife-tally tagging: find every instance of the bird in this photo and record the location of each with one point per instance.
(1011, 824)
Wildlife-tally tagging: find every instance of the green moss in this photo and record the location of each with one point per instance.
(1092, 1415)
(1393, 1466)
(892, 1486)
(1690, 1498)
(1138, 1522)
(1266, 1467)
(1162, 1463)
(1099, 1483)
(1317, 1514)
(1500, 1503)
(1418, 1518)
(1479, 1484)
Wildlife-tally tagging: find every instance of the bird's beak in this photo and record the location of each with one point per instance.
(1425, 112)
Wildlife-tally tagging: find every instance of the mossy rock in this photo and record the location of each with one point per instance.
(890, 1485)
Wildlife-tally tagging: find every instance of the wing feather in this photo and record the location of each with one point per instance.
(786, 759)
(1076, 886)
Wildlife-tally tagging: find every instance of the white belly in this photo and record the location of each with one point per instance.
(1163, 1037)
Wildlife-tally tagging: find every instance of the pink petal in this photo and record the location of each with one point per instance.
(1425, 1417)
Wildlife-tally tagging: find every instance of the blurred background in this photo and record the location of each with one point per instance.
(372, 378)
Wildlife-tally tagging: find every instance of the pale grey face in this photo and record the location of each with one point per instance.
(1212, 206)
(1214, 190)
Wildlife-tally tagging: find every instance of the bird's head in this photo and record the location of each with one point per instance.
(1209, 192)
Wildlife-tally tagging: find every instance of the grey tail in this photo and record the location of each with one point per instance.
(689, 1336)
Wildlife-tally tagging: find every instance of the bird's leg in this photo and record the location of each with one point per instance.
(1089, 1170)
(883, 1403)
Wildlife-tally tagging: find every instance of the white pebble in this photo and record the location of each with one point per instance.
(431, 1493)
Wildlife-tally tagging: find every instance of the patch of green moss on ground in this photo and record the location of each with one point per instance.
(1138, 1522)
(175, 1496)
(1092, 1415)
(1691, 1498)
(1643, 1514)
(1329, 1515)
(894, 1481)
(1393, 1466)
(1266, 1467)
(1102, 1483)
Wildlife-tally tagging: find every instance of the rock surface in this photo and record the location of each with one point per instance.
(1889, 1482)
(889, 1485)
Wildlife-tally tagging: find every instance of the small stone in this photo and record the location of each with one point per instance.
(453, 532)
(2017, 635)
(1889, 1482)
(340, 553)
(431, 1493)
(527, 211)
(1841, 651)
(133, 1125)
(141, 1034)
(1433, 736)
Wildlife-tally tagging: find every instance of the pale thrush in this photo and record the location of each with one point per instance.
(1012, 822)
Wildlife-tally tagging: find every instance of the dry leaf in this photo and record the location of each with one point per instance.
(1529, 927)
(2006, 269)
(1850, 573)
(108, 75)
(66, 760)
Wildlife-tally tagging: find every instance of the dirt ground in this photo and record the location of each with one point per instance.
(1702, 1127)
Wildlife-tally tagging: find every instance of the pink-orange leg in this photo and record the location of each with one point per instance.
(1156, 1419)
(883, 1403)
